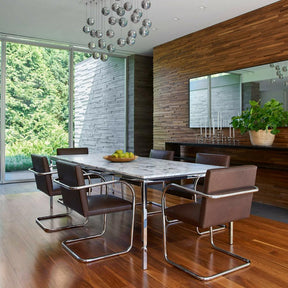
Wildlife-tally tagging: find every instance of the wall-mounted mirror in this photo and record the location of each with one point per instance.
(214, 99)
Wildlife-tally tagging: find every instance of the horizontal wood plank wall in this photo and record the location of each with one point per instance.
(258, 37)
(140, 105)
(143, 105)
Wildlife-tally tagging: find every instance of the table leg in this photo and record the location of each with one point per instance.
(144, 225)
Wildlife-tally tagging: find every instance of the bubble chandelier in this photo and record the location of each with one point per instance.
(280, 70)
(112, 24)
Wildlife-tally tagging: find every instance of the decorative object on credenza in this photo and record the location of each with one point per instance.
(261, 137)
(217, 132)
(217, 136)
(115, 23)
(264, 120)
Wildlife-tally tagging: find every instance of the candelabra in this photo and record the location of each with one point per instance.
(217, 136)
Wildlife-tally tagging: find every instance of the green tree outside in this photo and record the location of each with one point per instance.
(36, 102)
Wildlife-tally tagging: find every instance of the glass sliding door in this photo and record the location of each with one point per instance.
(37, 110)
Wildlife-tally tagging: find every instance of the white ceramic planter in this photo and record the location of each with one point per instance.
(261, 137)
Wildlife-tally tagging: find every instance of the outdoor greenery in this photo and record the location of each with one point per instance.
(36, 102)
(269, 116)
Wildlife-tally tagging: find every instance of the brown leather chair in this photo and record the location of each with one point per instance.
(89, 174)
(43, 177)
(74, 193)
(198, 183)
(226, 197)
(162, 154)
(209, 159)
(72, 151)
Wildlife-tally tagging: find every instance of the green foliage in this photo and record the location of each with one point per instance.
(18, 163)
(269, 116)
(36, 102)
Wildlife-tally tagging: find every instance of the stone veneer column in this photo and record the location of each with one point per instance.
(100, 101)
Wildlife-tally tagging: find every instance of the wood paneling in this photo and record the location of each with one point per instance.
(255, 38)
(140, 105)
(272, 163)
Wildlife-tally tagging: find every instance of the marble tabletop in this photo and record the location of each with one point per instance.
(143, 168)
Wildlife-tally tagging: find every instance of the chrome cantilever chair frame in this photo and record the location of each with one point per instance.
(208, 196)
(66, 243)
(54, 216)
(213, 159)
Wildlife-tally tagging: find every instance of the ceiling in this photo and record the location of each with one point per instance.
(61, 21)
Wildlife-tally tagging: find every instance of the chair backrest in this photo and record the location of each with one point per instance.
(213, 159)
(72, 175)
(224, 210)
(72, 151)
(44, 182)
(162, 154)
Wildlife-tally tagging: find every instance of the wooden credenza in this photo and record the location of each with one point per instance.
(272, 163)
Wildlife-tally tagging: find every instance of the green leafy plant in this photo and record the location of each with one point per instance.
(269, 116)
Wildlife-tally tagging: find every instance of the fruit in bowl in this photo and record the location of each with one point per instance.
(121, 156)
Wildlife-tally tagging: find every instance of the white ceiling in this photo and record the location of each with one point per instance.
(62, 20)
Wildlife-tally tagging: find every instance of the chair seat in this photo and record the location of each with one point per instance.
(188, 213)
(104, 204)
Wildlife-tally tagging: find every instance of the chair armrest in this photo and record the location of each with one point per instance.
(219, 195)
(88, 174)
(41, 173)
(94, 185)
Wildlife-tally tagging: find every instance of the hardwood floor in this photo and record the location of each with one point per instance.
(29, 257)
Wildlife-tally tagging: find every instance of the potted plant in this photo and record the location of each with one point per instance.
(262, 122)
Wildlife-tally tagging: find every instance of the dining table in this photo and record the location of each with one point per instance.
(145, 170)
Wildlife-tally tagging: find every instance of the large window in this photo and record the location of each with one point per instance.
(36, 103)
(57, 97)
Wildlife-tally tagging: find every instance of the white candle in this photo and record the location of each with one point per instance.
(213, 127)
(218, 120)
(233, 133)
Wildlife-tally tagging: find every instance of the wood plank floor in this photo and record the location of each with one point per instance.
(29, 257)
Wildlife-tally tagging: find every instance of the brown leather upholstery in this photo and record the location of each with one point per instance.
(213, 159)
(44, 182)
(210, 159)
(227, 197)
(43, 178)
(162, 154)
(76, 151)
(72, 151)
(203, 158)
(211, 212)
(78, 200)
(75, 196)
